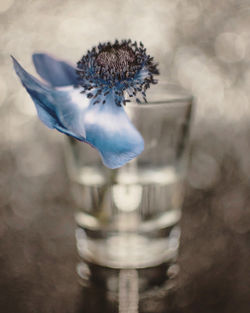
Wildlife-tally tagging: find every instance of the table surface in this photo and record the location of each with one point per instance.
(38, 254)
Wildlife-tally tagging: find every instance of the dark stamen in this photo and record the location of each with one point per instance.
(116, 66)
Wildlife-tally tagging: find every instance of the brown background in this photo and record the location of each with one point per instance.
(202, 45)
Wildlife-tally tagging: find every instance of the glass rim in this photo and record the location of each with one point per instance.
(181, 97)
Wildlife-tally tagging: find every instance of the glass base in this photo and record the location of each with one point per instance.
(139, 281)
(128, 250)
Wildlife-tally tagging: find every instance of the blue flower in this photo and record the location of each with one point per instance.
(87, 102)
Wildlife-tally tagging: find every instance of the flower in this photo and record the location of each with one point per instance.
(87, 102)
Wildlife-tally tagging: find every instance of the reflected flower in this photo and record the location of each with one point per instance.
(87, 102)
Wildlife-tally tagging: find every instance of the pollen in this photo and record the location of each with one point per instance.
(118, 60)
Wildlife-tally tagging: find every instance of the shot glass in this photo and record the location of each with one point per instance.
(128, 218)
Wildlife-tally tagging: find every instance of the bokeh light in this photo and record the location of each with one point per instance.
(230, 47)
(202, 45)
(5, 5)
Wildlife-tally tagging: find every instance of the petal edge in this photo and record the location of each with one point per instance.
(56, 72)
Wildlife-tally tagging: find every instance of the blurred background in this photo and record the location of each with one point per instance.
(202, 45)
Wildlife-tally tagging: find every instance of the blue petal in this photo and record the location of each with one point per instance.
(71, 106)
(58, 73)
(105, 126)
(47, 101)
(109, 129)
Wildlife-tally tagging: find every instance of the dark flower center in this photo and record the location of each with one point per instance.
(117, 59)
(116, 56)
(122, 66)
